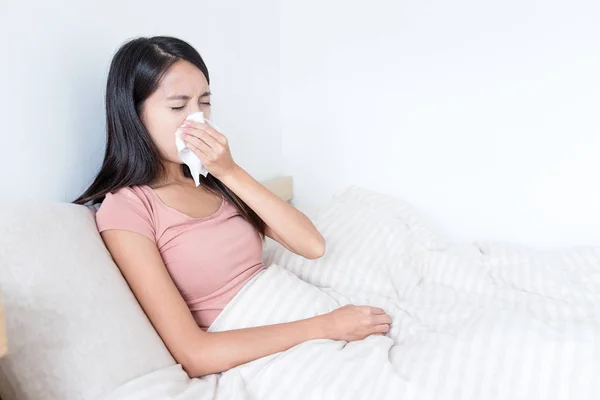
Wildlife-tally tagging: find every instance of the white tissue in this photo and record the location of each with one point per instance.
(186, 155)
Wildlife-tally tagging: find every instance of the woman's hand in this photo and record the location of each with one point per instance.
(211, 147)
(352, 322)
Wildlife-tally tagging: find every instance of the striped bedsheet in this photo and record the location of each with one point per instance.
(478, 321)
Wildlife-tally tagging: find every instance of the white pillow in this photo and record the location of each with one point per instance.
(75, 330)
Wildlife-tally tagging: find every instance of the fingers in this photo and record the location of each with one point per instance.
(197, 146)
(381, 328)
(377, 316)
(219, 137)
(216, 135)
(382, 319)
(201, 134)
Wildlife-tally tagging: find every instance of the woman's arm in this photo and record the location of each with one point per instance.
(285, 224)
(199, 352)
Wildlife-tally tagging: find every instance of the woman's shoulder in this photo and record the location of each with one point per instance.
(126, 208)
(124, 199)
(135, 192)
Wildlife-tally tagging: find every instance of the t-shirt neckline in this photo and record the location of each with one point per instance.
(163, 204)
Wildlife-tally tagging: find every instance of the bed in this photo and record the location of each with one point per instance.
(485, 320)
(478, 320)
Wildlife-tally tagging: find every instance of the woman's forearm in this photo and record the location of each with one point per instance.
(292, 226)
(219, 351)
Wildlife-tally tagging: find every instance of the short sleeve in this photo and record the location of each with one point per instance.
(123, 209)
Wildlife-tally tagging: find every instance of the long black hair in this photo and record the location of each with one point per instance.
(131, 157)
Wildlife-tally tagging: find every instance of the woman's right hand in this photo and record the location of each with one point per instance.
(352, 322)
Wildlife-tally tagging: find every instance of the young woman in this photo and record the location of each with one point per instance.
(186, 251)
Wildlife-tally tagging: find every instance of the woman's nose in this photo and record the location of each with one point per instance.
(203, 109)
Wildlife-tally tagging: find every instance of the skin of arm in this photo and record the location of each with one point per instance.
(199, 352)
(285, 224)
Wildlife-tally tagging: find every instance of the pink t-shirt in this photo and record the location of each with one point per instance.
(209, 258)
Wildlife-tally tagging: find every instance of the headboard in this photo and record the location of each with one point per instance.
(282, 186)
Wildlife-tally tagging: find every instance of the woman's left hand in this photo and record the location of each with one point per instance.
(211, 147)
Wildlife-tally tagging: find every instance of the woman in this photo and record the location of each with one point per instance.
(185, 251)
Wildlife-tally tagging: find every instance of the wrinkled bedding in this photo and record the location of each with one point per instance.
(477, 321)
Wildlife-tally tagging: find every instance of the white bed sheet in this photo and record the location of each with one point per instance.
(478, 321)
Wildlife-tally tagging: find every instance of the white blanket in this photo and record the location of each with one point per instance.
(485, 321)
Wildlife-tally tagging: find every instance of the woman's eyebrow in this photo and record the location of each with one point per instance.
(186, 97)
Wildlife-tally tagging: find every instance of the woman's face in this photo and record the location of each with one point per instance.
(182, 91)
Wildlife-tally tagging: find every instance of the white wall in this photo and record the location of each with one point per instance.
(484, 115)
(55, 59)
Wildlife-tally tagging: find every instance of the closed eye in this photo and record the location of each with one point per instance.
(182, 107)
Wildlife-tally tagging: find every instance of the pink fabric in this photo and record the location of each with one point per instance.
(209, 258)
